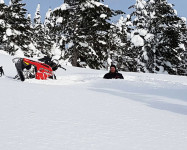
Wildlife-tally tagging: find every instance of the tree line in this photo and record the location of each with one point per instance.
(151, 39)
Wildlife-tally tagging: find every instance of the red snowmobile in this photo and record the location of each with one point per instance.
(28, 69)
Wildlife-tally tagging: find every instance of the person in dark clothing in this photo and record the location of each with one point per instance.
(113, 74)
(1, 71)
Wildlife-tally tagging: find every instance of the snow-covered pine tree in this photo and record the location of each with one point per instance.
(3, 9)
(156, 36)
(164, 24)
(118, 43)
(29, 20)
(182, 68)
(2, 2)
(48, 23)
(127, 57)
(16, 36)
(37, 17)
(41, 38)
(85, 25)
(38, 35)
(71, 2)
(50, 36)
(32, 51)
(141, 38)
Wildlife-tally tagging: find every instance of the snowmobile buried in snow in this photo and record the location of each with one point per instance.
(28, 69)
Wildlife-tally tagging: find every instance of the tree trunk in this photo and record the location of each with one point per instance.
(75, 57)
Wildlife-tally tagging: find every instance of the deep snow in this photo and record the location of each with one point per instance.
(82, 111)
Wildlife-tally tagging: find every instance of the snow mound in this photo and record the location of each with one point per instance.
(137, 41)
(80, 110)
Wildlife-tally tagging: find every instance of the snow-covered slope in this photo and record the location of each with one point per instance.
(82, 111)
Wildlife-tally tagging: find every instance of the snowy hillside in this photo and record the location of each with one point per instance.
(82, 111)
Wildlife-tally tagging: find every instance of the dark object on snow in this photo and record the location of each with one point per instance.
(28, 69)
(61, 67)
(113, 74)
(1, 71)
(46, 59)
(52, 63)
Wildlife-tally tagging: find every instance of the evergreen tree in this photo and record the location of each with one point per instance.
(85, 25)
(141, 38)
(38, 34)
(71, 2)
(29, 20)
(32, 50)
(17, 28)
(50, 37)
(48, 23)
(3, 9)
(182, 67)
(126, 55)
(156, 37)
(164, 24)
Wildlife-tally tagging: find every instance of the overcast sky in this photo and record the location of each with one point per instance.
(180, 5)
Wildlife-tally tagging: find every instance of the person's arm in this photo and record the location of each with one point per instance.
(121, 76)
(105, 76)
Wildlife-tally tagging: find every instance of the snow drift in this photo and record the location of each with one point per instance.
(82, 111)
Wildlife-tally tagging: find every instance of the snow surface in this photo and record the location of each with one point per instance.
(141, 4)
(28, 15)
(182, 46)
(142, 32)
(9, 32)
(2, 2)
(137, 41)
(19, 53)
(2, 22)
(98, 3)
(64, 6)
(59, 20)
(184, 19)
(82, 111)
(149, 36)
(48, 14)
(103, 16)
